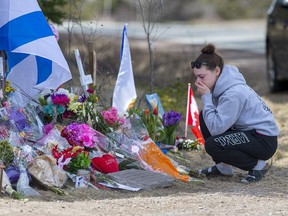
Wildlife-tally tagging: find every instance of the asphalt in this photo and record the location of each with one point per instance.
(247, 35)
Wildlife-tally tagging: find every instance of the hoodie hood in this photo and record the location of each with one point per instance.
(229, 77)
(234, 105)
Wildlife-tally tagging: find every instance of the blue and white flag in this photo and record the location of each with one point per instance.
(35, 59)
(124, 95)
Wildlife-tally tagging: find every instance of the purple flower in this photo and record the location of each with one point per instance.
(82, 98)
(171, 118)
(47, 128)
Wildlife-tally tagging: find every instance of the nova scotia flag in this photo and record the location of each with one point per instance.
(35, 59)
(124, 95)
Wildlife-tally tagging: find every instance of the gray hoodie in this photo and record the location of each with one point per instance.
(234, 105)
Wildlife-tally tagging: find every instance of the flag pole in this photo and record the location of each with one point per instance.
(187, 110)
(3, 70)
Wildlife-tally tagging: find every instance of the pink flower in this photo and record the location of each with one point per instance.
(112, 119)
(110, 116)
(122, 121)
(60, 99)
(7, 104)
(80, 135)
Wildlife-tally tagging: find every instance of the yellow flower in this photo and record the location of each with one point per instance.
(7, 89)
(22, 134)
(72, 97)
(75, 148)
(74, 106)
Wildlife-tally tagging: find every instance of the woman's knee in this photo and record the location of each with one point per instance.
(209, 146)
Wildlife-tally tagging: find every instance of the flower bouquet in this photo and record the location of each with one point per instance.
(142, 152)
(152, 123)
(54, 104)
(6, 153)
(80, 135)
(4, 95)
(135, 128)
(52, 137)
(127, 159)
(23, 155)
(27, 122)
(170, 120)
(63, 106)
(7, 187)
(47, 174)
(109, 121)
(190, 144)
(85, 107)
(72, 159)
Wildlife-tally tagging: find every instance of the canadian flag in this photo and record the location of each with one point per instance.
(192, 116)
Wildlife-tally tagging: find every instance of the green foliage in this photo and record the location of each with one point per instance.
(152, 123)
(174, 97)
(82, 161)
(53, 9)
(42, 101)
(16, 195)
(235, 9)
(56, 10)
(6, 152)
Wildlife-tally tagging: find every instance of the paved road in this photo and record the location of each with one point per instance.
(243, 35)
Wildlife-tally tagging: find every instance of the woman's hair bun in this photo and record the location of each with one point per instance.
(208, 49)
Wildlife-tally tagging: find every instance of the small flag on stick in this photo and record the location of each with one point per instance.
(124, 95)
(192, 116)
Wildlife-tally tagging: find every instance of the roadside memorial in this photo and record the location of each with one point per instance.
(57, 150)
(65, 138)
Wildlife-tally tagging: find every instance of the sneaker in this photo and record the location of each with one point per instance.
(211, 171)
(255, 175)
